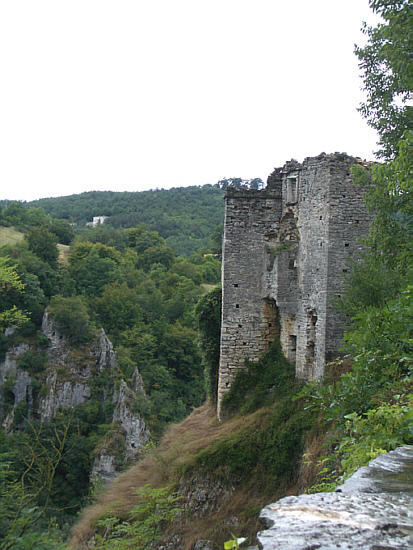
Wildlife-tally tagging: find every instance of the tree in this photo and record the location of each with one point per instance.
(383, 271)
(25, 495)
(14, 214)
(72, 317)
(119, 309)
(385, 64)
(44, 244)
(208, 311)
(10, 281)
(63, 231)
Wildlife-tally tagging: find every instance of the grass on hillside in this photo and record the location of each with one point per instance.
(175, 459)
(64, 251)
(10, 236)
(246, 462)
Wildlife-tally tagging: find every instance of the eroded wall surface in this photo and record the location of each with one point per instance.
(285, 250)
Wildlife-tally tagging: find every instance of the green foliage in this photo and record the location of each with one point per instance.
(216, 240)
(235, 542)
(155, 512)
(380, 343)
(269, 448)
(363, 438)
(32, 361)
(368, 283)
(10, 315)
(20, 413)
(239, 183)
(15, 214)
(385, 64)
(261, 382)
(153, 255)
(366, 436)
(270, 445)
(42, 242)
(26, 478)
(72, 317)
(119, 309)
(62, 229)
(141, 238)
(208, 312)
(184, 217)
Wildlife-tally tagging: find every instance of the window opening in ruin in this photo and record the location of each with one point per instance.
(292, 352)
(271, 319)
(292, 190)
(236, 285)
(346, 245)
(311, 342)
(292, 263)
(237, 306)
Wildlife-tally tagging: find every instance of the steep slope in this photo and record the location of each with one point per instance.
(222, 472)
(48, 378)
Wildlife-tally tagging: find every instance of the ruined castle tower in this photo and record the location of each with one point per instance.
(285, 250)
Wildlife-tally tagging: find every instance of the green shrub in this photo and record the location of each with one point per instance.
(156, 511)
(32, 361)
(261, 382)
(72, 317)
(208, 312)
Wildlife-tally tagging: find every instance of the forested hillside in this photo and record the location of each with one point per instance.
(185, 217)
(128, 282)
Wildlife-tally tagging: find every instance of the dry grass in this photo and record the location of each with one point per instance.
(165, 465)
(311, 465)
(336, 368)
(9, 235)
(64, 251)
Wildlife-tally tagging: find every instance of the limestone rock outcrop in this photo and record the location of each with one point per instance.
(67, 381)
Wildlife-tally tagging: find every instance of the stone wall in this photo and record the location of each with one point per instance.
(246, 325)
(285, 250)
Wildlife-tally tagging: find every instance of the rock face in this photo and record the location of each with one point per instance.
(137, 434)
(66, 383)
(21, 387)
(370, 511)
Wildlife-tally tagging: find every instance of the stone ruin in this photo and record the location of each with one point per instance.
(285, 250)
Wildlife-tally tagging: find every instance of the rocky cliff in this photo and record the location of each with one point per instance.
(41, 380)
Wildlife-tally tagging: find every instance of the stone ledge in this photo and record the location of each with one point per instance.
(371, 511)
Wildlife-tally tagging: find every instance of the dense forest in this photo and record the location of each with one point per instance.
(184, 217)
(149, 277)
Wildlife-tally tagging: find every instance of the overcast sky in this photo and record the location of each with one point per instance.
(130, 95)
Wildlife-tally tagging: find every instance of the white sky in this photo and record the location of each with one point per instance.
(130, 95)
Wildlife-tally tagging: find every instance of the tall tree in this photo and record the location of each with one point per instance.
(44, 244)
(385, 65)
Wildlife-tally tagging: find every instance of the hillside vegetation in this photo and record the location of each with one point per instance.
(185, 217)
(222, 472)
(10, 236)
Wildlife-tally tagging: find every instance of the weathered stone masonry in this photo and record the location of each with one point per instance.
(285, 249)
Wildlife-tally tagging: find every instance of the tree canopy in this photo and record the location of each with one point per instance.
(384, 62)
